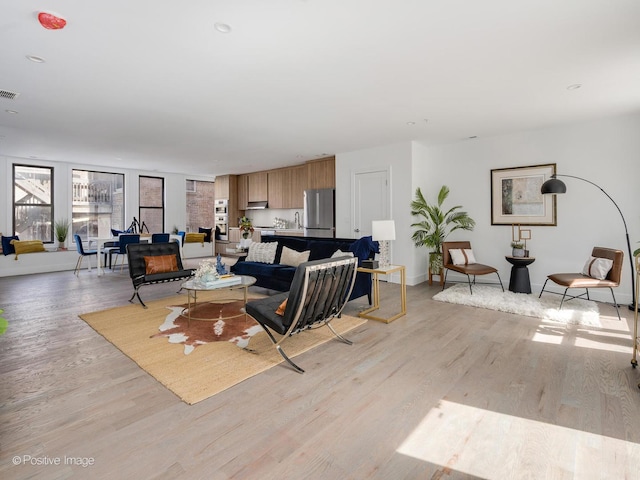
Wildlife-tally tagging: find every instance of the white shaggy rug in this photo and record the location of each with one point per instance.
(576, 311)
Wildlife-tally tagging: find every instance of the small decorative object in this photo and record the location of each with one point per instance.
(51, 21)
(517, 249)
(519, 237)
(206, 272)
(246, 227)
(61, 229)
(221, 269)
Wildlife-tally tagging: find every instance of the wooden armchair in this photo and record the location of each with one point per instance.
(319, 291)
(469, 267)
(580, 280)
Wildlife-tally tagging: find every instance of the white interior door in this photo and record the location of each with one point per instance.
(371, 200)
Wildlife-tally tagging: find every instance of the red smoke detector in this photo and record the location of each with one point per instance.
(51, 21)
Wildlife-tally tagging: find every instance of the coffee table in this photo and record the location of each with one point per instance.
(193, 287)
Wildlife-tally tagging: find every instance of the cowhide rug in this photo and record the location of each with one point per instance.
(238, 329)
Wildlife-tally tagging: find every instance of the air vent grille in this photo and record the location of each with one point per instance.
(8, 95)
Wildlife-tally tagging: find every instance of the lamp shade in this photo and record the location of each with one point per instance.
(553, 185)
(383, 230)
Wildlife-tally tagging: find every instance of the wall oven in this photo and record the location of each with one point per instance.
(220, 207)
(222, 225)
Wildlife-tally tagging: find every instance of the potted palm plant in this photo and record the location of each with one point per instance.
(61, 230)
(436, 224)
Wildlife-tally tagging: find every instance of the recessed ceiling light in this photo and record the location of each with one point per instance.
(13, 112)
(36, 59)
(222, 27)
(411, 123)
(575, 86)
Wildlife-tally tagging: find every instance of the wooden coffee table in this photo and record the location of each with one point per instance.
(193, 287)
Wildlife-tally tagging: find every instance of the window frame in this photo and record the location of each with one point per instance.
(146, 207)
(50, 205)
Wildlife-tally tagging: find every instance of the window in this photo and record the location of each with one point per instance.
(200, 205)
(32, 202)
(97, 203)
(152, 204)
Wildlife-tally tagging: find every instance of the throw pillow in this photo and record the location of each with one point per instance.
(207, 233)
(27, 246)
(281, 308)
(293, 258)
(7, 248)
(462, 256)
(160, 264)
(194, 238)
(340, 253)
(597, 267)
(262, 252)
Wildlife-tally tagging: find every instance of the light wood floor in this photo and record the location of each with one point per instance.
(445, 392)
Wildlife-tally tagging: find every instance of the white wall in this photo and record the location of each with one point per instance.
(398, 159)
(606, 152)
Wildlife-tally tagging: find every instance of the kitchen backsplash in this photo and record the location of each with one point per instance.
(268, 216)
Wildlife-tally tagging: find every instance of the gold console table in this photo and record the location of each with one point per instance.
(376, 292)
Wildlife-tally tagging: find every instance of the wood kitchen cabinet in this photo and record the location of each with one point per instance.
(321, 173)
(298, 185)
(278, 184)
(221, 187)
(243, 191)
(287, 186)
(258, 185)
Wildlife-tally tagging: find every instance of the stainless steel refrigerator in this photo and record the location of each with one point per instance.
(319, 213)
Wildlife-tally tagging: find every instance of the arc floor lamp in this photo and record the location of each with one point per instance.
(555, 186)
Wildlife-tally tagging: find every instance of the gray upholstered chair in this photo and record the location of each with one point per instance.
(469, 269)
(580, 280)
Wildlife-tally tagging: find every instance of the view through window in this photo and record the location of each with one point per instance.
(200, 205)
(97, 203)
(32, 202)
(152, 204)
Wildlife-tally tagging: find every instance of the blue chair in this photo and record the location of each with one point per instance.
(124, 240)
(82, 253)
(107, 248)
(160, 238)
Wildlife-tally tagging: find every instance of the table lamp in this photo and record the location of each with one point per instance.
(382, 232)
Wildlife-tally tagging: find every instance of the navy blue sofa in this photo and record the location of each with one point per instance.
(279, 277)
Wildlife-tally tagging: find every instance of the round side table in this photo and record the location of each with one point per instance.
(519, 281)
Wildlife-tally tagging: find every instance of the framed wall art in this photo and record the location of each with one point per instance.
(516, 197)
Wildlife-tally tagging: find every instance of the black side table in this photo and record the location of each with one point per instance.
(519, 281)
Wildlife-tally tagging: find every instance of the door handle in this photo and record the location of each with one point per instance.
(356, 230)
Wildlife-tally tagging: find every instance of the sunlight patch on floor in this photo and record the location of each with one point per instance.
(493, 445)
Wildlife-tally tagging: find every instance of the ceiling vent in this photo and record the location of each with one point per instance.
(8, 95)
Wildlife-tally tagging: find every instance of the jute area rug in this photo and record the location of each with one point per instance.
(574, 312)
(195, 374)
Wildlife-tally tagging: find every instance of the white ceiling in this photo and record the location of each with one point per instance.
(152, 84)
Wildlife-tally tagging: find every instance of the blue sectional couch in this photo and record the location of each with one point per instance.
(279, 277)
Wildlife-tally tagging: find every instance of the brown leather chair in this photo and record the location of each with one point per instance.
(468, 269)
(578, 280)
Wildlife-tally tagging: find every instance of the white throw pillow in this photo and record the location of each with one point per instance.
(262, 252)
(340, 253)
(293, 258)
(597, 267)
(461, 256)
